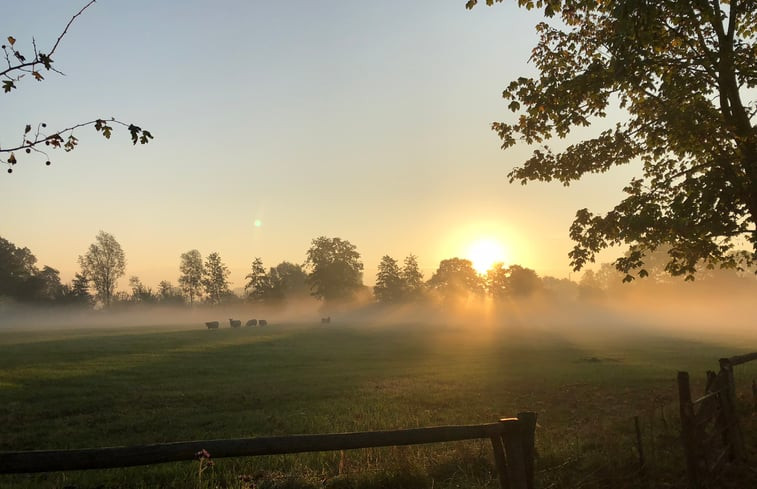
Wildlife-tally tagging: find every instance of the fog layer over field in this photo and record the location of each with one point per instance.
(722, 314)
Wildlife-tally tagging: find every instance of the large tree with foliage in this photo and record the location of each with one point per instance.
(456, 279)
(103, 264)
(34, 62)
(190, 278)
(334, 269)
(215, 279)
(512, 281)
(412, 278)
(389, 286)
(288, 280)
(258, 286)
(680, 76)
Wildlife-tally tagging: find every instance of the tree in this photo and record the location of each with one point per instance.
(496, 281)
(456, 279)
(335, 269)
(78, 292)
(389, 286)
(258, 285)
(48, 287)
(17, 271)
(168, 294)
(140, 293)
(522, 281)
(191, 269)
(412, 277)
(681, 77)
(215, 279)
(288, 280)
(103, 264)
(34, 63)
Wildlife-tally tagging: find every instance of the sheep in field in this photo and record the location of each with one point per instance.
(262, 322)
(235, 323)
(212, 324)
(252, 322)
(326, 320)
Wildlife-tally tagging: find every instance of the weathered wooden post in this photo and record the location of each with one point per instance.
(687, 427)
(512, 438)
(499, 461)
(528, 422)
(734, 437)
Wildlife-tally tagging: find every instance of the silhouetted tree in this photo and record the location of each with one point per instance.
(456, 279)
(216, 279)
(389, 286)
(31, 64)
(682, 74)
(258, 287)
(288, 280)
(48, 287)
(168, 294)
(496, 281)
(103, 264)
(77, 293)
(412, 278)
(190, 280)
(139, 293)
(335, 269)
(17, 271)
(522, 281)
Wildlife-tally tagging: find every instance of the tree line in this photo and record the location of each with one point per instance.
(332, 272)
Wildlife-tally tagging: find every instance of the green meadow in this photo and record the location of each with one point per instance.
(131, 386)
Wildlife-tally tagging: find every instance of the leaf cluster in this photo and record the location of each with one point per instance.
(19, 65)
(681, 75)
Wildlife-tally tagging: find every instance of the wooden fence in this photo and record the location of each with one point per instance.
(710, 429)
(512, 441)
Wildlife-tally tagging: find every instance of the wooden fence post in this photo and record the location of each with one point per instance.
(734, 438)
(499, 461)
(512, 438)
(528, 422)
(687, 427)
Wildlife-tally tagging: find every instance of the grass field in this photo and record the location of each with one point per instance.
(130, 386)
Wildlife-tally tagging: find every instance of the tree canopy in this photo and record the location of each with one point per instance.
(335, 271)
(456, 279)
(103, 264)
(680, 76)
(215, 279)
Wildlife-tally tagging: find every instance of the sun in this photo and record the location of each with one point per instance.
(484, 253)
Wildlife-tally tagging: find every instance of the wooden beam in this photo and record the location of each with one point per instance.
(112, 457)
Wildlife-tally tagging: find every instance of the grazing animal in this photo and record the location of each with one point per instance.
(235, 323)
(262, 322)
(252, 322)
(326, 320)
(212, 324)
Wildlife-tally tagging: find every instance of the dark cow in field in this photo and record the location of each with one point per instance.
(235, 323)
(326, 320)
(252, 322)
(262, 322)
(212, 324)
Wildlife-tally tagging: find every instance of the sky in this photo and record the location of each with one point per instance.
(276, 123)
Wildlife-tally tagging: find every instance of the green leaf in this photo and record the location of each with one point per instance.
(8, 85)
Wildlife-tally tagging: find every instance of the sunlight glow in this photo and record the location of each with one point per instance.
(484, 253)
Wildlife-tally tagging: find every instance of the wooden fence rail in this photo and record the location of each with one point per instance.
(512, 441)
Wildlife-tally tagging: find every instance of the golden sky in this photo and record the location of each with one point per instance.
(363, 120)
